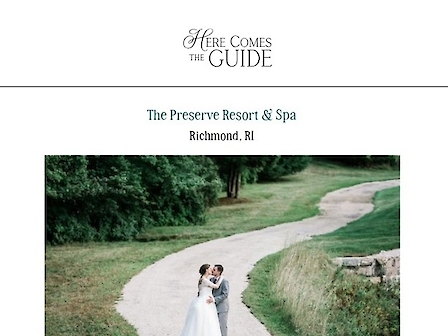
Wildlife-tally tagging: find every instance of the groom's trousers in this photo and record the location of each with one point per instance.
(223, 322)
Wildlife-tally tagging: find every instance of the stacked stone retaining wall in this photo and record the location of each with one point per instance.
(380, 267)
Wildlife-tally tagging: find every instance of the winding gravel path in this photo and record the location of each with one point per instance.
(156, 300)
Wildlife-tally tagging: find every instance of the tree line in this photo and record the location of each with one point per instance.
(113, 198)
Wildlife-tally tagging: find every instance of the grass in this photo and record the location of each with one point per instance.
(83, 281)
(301, 285)
(289, 289)
(376, 231)
(261, 299)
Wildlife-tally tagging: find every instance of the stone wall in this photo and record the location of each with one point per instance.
(380, 267)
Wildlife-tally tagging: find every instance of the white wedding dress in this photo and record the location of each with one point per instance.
(202, 318)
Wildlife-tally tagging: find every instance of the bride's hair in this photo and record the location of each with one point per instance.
(202, 272)
(203, 269)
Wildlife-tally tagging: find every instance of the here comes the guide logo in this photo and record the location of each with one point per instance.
(234, 51)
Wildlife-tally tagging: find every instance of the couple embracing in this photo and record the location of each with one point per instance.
(207, 314)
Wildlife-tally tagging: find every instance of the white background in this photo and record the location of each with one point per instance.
(343, 42)
(323, 43)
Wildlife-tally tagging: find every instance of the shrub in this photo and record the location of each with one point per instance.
(279, 166)
(107, 198)
(364, 160)
(360, 307)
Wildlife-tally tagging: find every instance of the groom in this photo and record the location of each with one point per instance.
(220, 296)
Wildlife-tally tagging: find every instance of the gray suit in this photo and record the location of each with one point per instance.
(222, 304)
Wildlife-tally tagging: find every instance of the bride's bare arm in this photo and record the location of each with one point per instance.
(216, 285)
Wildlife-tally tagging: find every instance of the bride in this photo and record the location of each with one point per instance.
(202, 318)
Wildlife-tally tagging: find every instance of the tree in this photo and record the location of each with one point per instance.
(277, 166)
(231, 169)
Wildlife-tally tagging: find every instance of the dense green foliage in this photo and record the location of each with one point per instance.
(231, 169)
(278, 166)
(363, 160)
(360, 308)
(237, 170)
(106, 198)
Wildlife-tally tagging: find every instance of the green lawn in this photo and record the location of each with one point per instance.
(376, 231)
(83, 281)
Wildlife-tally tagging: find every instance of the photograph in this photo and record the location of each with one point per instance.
(217, 245)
